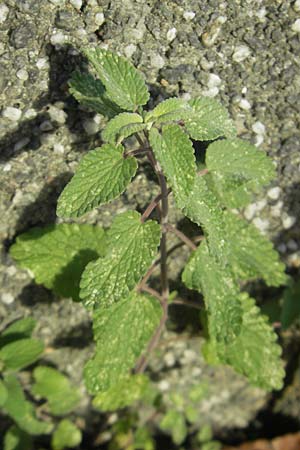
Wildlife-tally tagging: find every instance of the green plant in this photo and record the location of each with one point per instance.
(110, 270)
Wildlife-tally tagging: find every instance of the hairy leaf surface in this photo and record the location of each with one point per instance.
(209, 120)
(168, 110)
(133, 246)
(122, 126)
(21, 353)
(58, 254)
(122, 333)
(174, 151)
(124, 84)
(66, 435)
(103, 174)
(238, 170)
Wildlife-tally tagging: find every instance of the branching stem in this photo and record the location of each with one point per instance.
(181, 236)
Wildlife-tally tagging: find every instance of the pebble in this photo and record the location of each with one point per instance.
(21, 144)
(46, 126)
(7, 167)
(276, 209)
(99, 19)
(129, 50)
(212, 92)
(58, 38)
(163, 385)
(22, 74)
(58, 148)
(244, 104)
(296, 6)
(296, 26)
(261, 224)
(189, 15)
(30, 113)
(11, 113)
(259, 128)
(169, 359)
(7, 298)
(261, 14)
(57, 115)
(259, 139)
(42, 63)
(171, 34)
(281, 248)
(90, 127)
(157, 61)
(3, 12)
(250, 211)
(288, 221)
(213, 80)
(76, 3)
(292, 245)
(241, 53)
(274, 193)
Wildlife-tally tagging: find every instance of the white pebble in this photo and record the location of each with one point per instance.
(296, 26)
(11, 113)
(57, 115)
(7, 298)
(99, 19)
(188, 15)
(213, 80)
(259, 128)
(90, 127)
(169, 359)
(171, 34)
(261, 14)
(163, 385)
(11, 270)
(129, 50)
(58, 148)
(22, 74)
(261, 224)
(244, 104)
(288, 221)
(244, 90)
(3, 12)
(250, 211)
(241, 52)
(58, 38)
(259, 139)
(212, 92)
(260, 204)
(21, 144)
(186, 96)
(274, 193)
(7, 167)
(30, 113)
(157, 61)
(296, 6)
(42, 63)
(76, 3)
(276, 209)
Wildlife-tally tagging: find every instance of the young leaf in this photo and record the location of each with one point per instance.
(255, 353)
(21, 353)
(62, 397)
(133, 246)
(174, 421)
(16, 439)
(124, 393)
(122, 333)
(221, 294)
(291, 304)
(66, 435)
(168, 110)
(91, 93)
(174, 151)
(209, 120)
(20, 329)
(124, 84)
(238, 169)
(122, 126)
(252, 255)
(58, 254)
(103, 174)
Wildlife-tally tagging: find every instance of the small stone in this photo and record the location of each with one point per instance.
(76, 3)
(7, 167)
(209, 37)
(188, 15)
(169, 359)
(22, 74)
(42, 63)
(206, 65)
(163, 385)
(58, 38)
(292, 245)
(157, 61)
(3, 12)
(296, 26)
(7, 298)
(213, 80)
(281, 248)
(21, 144)
(212, 92)
(129, 50)
(30, 113)
(241, 53)
(261, 14)
(296, 6)
(274, 193)
(171, 34)
(11, 271)
(276, 209)
(11, 113)
(57, 115)
(250, 211)
(90, 127)
(58, 148)
(261, 224)
(288, 221)
(99, 19)
(259, 128)
(259, 139)
(46, 126)
(244, 104)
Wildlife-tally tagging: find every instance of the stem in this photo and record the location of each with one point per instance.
(202, 172)
(178, 301)
(152, 292)
(181, 236)
(136, 152)
(154, 203)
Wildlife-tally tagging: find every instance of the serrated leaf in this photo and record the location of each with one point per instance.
(22, 411)
(3, 393)
(252, 255)
(61, 396)
(66, 435)
(174, 151)
(291, 304)
(124, 84)
(122, 333)
(124, 393)
(122, 126)
(174, 421)
(168, 110)
(19, 329)
(19, 354)
(58, 254)
(221, 294)
(16, 439)
(103, 174)
(238, 170)
(133, 246)
(209, 120)
(255, 353)
(91, 93)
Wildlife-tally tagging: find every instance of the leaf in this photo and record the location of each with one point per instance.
(133, 246)
(19, 354)
(20, 329)
(209, 120)
(22, 411)
(16, 439)
(174, 421)
(168, 110)
(3, 393)
(124, 393)
(66, 435)
(122, 126)
(58, 254)
(124, 84)
(103, 174)
(122, 333)
(291, 304)
(255, 353)
(62, 397)
(252, 255)
(238, 169)
(91, 93)
(174, 152)
(221, 294)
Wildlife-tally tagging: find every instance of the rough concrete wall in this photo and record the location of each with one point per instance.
(245, 53)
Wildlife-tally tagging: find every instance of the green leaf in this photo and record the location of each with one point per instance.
(103, 174)
(22, 411)
(66, 435)
(20, 329)
(124, 84)
(91, 93)
(122, 126)
(209, 120)
(122, 333)
(252, 255)
(16, 439)
(19, 354)
(221, 294)
(3, 393)
(58, 254)
(174, 421)
(168, 110)
(238, 169)
(124, 393)
(133, 246)
(174, 151)
(62, 397)
(291, 304)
